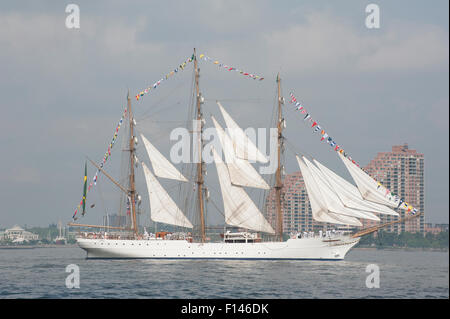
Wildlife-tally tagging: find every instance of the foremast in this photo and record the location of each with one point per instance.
(132, 149)
(199, 130)
(278, 181)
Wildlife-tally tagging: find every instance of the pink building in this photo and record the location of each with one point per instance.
(402, 172)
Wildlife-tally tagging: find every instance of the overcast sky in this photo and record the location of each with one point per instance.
(63, 90)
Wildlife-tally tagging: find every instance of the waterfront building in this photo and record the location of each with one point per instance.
(443, 227)
(17, 234)
(436, 228)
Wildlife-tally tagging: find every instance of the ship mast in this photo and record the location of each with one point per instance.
(132, 189)
(279, 182)
(199, 130)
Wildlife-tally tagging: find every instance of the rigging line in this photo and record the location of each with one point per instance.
(217, 208)
(158, 102)
(155, 137)
(185, 194)
(214, 204)
(101, 199)
(295, 149)
(124, 168)
(214, 189)
(143, 118)
(255, 100)
(271, 121)
(173, 186)
(158, 121)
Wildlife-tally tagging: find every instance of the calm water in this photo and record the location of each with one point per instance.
(40, 273)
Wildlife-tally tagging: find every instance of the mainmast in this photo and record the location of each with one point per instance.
(132, 189)
(279, 182)
(199, 130)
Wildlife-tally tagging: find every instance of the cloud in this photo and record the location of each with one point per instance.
(407, 48)
(41, 42)
(325, 43)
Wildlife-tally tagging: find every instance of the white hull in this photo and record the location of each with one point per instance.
(302, 248)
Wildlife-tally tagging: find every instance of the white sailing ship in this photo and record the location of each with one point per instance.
(60, 240)
(333, 200)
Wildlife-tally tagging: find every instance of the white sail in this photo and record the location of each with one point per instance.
(369, 188)
(162, 208)
(332, 201)
(319, 209)
(350, 195)
(241, 172)
(161, 166)
(242, 144)
(239, 209)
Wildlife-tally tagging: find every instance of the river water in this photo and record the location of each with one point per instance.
(41, 273)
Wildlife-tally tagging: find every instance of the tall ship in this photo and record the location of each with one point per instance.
(335, 202)
(61, 239)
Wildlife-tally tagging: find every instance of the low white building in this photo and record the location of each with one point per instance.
(17, 234)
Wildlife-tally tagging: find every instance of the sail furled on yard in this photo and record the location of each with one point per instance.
(161, 166)
(319, 208)
(350, 195)
(239, 209)
(162, 208)
(369, 188)
(242, 144)
(242, 173)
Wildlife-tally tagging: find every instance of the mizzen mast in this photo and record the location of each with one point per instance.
(279, 182)
(199, 130)
(132, 189)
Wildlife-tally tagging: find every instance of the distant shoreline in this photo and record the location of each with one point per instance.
(402, 248)
(37, 246)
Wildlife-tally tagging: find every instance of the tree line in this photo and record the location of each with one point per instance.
(383, 239)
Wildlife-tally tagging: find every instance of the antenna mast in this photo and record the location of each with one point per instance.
(279, 183)
(199, 130)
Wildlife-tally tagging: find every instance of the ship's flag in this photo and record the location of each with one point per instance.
(84, 188)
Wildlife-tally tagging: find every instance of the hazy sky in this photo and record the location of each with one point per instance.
(63, 90)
